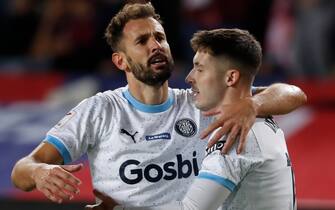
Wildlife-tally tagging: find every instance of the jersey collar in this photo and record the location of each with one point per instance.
(149, 108)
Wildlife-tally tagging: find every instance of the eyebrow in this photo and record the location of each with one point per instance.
(146, 35)
(142, 36)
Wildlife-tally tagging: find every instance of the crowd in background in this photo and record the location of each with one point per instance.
(68, 35)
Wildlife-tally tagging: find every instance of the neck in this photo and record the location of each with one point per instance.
(234, 94)
(151, 95)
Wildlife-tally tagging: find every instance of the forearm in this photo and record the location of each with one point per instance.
(278, 99)
(22, 173)
(24, 170)
(42, 170)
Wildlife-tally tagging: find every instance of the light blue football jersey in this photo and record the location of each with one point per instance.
(139, 154)
(261, 177)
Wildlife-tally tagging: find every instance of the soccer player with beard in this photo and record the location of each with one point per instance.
(261, 177)
(142, 140)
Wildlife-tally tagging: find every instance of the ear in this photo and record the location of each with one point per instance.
(232, 77)
(119, 61)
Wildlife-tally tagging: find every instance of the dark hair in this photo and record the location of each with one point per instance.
(129, 12)
(239, 46)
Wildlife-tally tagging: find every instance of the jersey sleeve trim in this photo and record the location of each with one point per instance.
(58, 144)
(149, 108)
(218, 179)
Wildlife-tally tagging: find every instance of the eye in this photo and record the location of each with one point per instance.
(160, 37)
(141, 41)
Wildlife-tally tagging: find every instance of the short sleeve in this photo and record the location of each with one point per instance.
(78, 130)
(228, 170)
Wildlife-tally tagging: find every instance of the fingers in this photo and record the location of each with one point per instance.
(54, 193)
(66, 176)
(50, 195)
(218, 134)
(243, 140)
(65, 186)
(236, 119)
(211, 128)
(56, 183)
(232, 136)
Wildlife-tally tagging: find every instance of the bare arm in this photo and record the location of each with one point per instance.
(236, 119)
(278, 99)
(41, 169)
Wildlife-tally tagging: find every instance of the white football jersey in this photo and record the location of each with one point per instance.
(259, 178)
(139, 154)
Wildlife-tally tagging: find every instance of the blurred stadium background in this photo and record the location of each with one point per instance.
(52, 55)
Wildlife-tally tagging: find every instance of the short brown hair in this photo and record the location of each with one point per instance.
(235, 44)
(129, 12)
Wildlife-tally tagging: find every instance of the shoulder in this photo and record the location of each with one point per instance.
(110, 95)
(101, 101)
(265, 128)
(269, 137)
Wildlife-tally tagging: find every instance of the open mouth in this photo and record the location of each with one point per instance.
(195, 92)
(157, 61)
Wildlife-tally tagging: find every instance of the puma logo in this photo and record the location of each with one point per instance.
(132, 136)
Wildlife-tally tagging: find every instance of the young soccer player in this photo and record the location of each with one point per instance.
(142, 140)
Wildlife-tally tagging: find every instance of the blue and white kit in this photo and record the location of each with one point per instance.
(139, 154)
(261, 178)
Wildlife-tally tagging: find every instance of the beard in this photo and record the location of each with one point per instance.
(147, 75)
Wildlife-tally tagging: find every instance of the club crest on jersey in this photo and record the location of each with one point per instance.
(185, 127)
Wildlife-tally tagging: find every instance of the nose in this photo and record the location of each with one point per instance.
(155, 44)
(189, 78)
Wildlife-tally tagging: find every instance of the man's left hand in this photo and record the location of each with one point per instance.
(234, 120)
